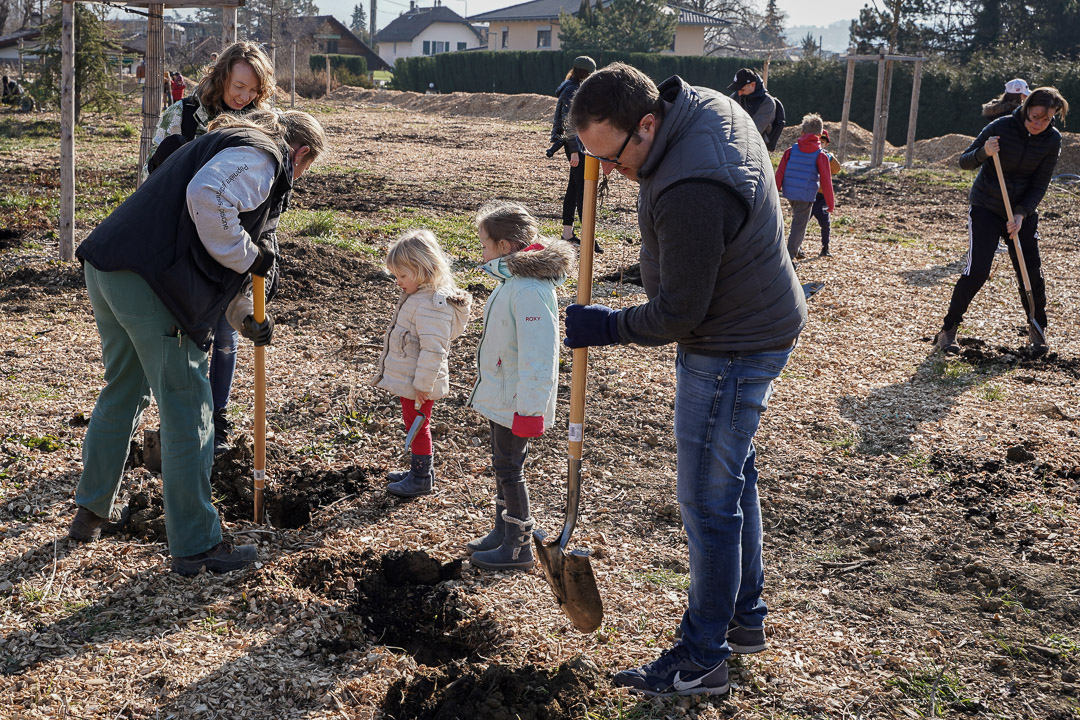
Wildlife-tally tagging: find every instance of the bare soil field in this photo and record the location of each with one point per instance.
(922, 532)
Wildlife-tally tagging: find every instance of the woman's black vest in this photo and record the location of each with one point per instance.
(152, 233)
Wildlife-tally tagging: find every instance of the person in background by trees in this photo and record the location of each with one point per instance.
(562, 136)
(242, 79)
(178, 86)
(720, 285)
(1028, 146)
(157, 291)
(166, 91)
(1016, 91)
(748, 90)
(820, 211)
(803, 166)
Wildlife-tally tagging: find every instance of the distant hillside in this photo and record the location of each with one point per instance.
(834, 37)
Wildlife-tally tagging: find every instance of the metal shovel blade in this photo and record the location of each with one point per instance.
(570, 574)
(416, 425)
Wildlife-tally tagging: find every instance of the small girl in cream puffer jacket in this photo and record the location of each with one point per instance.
(414, 365)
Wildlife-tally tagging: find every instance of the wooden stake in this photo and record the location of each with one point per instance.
(849, 83)
(913, 113)
(67, 129)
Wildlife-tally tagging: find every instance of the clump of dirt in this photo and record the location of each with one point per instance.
(406, 599)
(495, 692)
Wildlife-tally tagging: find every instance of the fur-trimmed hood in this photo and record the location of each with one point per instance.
(549, 260)
(998, 107)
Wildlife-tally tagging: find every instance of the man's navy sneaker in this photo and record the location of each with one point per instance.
(745, 641)
(674, 673)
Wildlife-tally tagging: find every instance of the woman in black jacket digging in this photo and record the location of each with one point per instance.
(1028, 146)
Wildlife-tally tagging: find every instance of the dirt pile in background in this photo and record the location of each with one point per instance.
(524, 107)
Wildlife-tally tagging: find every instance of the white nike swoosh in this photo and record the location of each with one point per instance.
(678, 684)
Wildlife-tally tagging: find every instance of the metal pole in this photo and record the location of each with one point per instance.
(327, 56)
(292, 101)
(67, 136)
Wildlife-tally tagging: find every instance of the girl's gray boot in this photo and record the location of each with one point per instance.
(419, 480)
(515, 552)
(494, 538)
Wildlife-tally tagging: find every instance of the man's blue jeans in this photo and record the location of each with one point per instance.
(719, 402)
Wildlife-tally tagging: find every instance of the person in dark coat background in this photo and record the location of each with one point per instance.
(562, 136)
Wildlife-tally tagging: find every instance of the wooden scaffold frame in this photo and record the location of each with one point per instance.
(151, 100)
(881, 104)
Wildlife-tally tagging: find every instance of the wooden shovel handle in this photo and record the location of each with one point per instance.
(580, 367)
(1009, 216)
(258, 290)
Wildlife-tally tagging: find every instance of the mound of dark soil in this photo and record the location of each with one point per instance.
(495, 692)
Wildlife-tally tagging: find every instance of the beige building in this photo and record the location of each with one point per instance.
(535, 26)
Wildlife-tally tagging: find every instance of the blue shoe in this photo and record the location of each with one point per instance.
(745, 641)
(419, 480)
(674, 673)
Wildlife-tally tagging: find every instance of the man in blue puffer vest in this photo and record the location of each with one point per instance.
(803, 167)
(721, 286)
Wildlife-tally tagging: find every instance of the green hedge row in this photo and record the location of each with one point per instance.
(524, 71)
(950, 99)
(355, 64)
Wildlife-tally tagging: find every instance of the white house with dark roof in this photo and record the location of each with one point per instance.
(426, 31)
(534, 25)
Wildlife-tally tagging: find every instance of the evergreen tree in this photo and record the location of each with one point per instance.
(625, 25)
(359, 19)
(772, 33)
(94, 81)
(810, 45)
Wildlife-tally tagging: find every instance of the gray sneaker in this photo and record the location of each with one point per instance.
(674, 673)
(745, 641)
(221, 558)
(945, 340)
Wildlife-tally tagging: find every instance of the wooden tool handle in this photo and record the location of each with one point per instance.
(580, 368)
(1004, 190)
(259, 295)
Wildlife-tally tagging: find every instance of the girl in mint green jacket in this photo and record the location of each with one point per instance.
(517, 368)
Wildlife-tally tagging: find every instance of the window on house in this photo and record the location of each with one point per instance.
(505, 38)
(331, 46)
(462, 46)
(427, 47)
(543, 38)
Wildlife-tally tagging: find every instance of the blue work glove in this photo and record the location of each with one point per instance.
(591, 325)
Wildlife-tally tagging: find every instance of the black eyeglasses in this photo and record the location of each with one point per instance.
(615, 160)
